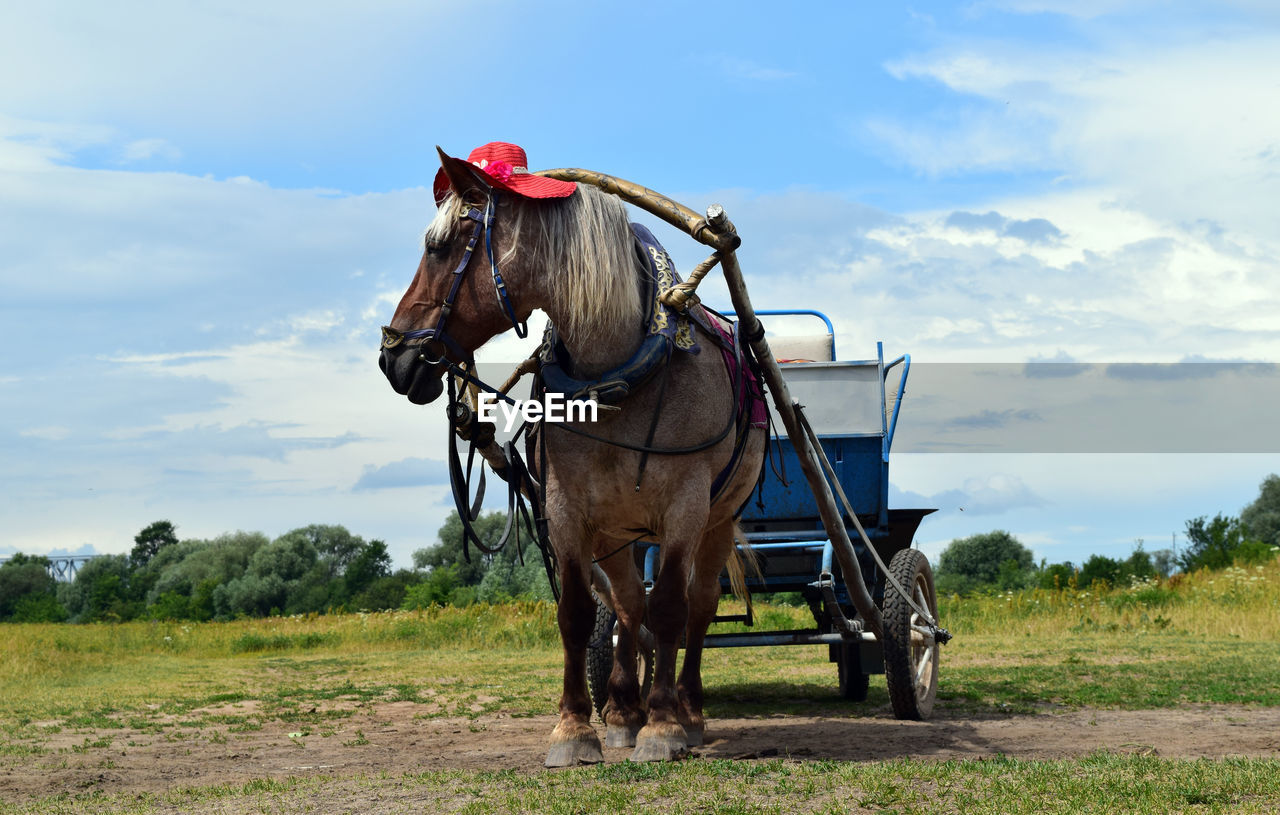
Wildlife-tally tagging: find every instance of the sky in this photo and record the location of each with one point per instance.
(208, 209)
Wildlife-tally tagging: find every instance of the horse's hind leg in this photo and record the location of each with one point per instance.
(623, 710)
(704, 598)
(574, 741)
(663, 738)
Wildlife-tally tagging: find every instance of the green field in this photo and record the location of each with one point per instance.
(1210, 638)
(1098, 784)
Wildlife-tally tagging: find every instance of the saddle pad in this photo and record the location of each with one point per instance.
(750, 398)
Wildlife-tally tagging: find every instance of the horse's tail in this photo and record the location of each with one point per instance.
(741, 557)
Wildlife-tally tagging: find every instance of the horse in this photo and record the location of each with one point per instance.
(574, 257)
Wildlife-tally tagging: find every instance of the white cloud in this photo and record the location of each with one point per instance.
(1182, 131)
(1114, 285)
(144, 149)
(220, 361)
(27, 145)
(49, 432)
(219, 68)
(1092, 503)
(315, 321)
(212, 358)
(971, 141)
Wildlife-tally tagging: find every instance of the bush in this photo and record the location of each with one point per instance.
(1218, 543)
(1253, 552)
(254, 643)
(1057, 576)
(385, 593)
(171, 606)
(990, 560)
(952, 583)
(39, 608)
(27, 589)
(1262, 517)
(439, 589)
(194, 568)
(103, 590)
(1210, 543)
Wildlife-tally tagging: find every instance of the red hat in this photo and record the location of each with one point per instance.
(505, 167)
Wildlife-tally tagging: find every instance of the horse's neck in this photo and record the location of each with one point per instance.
(597, 348)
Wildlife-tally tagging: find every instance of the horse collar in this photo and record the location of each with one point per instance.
(665, 331)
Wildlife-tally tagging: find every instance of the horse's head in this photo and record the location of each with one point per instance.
(460, 295)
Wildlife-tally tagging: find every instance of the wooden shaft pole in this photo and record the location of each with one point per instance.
(652, 202)
(808, 456)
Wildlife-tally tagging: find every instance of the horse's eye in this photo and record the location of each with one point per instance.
(437, 247)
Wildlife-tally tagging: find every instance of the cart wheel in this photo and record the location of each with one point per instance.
(600, 659)
(912, 670)
(853, 682)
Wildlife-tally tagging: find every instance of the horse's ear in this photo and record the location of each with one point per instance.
(463, 176)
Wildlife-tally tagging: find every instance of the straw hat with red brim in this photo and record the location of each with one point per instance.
(505, 167)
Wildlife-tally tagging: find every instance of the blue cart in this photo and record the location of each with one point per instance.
(847, 406)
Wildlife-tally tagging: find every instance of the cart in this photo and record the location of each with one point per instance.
(846, 407)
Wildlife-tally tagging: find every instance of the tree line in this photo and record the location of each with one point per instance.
(312, 569)
(997, 561)
(321, 568)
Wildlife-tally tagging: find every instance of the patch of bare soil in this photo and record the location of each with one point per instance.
(390, 737)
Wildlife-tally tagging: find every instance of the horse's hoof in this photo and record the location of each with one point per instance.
(621, 735)
(693, 737)
(583, 749)
(659, 748)
(665, 742)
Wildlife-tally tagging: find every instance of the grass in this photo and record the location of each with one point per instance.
(1102, 783)
(1203, 638)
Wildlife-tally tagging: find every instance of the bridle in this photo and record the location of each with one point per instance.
(436, 335)
(463, 423)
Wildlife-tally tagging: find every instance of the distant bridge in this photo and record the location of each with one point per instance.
(64, 567)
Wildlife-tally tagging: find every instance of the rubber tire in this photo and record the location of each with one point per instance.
(853, 682)
(600, 656)
(909, 700)
(600, 659)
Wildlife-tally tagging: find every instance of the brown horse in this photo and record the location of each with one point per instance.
(574, 257)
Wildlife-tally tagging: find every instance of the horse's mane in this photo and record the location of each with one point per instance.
(583, 241)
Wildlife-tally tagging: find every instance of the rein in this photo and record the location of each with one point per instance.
(465, 425)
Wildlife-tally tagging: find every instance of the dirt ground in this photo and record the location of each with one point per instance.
(393, 738)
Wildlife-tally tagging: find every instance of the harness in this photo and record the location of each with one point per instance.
(666, 330)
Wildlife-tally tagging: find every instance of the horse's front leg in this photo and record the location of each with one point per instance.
(574, 741)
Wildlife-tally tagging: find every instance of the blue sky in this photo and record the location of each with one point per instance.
(206, 211)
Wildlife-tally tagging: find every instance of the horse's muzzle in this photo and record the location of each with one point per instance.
(410, 376)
